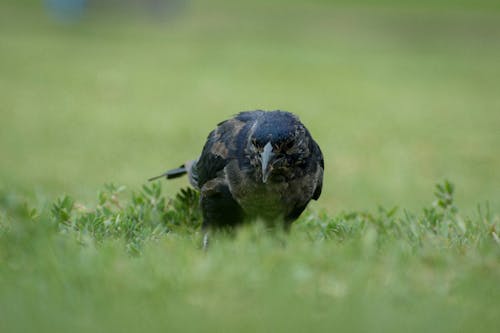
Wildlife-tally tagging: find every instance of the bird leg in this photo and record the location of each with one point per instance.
(204, 244)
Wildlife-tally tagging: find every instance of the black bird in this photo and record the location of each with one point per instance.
(259, 164)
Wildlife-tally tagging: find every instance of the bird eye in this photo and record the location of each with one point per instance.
(289, 145)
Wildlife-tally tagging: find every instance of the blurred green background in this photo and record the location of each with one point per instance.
(398, 95)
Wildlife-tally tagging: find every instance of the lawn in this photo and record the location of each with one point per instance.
(399, 97)
(135, 264)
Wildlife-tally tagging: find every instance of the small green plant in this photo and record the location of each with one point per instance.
(147, 216)
(440, 221)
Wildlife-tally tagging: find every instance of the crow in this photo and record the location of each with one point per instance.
(258, 164)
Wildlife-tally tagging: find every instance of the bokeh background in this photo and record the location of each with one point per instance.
(399, 95)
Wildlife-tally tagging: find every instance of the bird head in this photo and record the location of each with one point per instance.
(279, 147)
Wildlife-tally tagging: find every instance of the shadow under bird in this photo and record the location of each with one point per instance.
(259, 164)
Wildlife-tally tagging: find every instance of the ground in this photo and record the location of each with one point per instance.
(399, 97)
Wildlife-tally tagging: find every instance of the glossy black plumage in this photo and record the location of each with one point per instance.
(256, 165)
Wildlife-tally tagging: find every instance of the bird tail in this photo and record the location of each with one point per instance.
(170, 174)
(186, 168)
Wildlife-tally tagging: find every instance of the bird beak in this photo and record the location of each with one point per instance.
(266, 155)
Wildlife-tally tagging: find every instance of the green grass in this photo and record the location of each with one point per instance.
(398, 95)
(136, 264)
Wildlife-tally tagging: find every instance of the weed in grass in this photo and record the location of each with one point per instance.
(148, 215)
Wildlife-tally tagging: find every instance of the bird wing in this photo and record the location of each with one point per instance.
(321, 165)
(220, 148)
